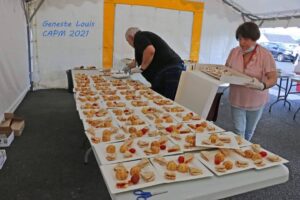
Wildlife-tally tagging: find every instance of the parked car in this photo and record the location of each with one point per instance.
(279, 51)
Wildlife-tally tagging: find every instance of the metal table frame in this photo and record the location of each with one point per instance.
(294, 82)
(281, 87)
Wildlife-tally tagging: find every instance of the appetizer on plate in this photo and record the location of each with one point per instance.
(95, 113)
(162, 102)
(138, 103)
(90, 106)
(115, 104)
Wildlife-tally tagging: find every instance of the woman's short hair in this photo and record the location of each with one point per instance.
(248, 30)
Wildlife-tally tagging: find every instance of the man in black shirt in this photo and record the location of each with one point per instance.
(159, 64)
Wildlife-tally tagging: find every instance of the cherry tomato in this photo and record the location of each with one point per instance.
(263, 154)
(181, 159)
(163, 147)
(132, 150)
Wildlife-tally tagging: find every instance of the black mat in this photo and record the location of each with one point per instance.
(46, 162)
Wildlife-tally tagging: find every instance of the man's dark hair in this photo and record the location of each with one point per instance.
(248, 30)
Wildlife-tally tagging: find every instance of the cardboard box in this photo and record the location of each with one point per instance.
(5, 141)
(12, 123)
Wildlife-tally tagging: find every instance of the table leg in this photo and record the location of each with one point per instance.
(296, 113)
(86, 155)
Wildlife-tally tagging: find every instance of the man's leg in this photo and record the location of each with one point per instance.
(252, 118)
(239, 120)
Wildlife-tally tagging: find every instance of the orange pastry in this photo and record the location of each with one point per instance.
(248, 153)
(172, 166)
(111, 148)
(135, 170)
(123, 148)
(183, 168)
(228, 165)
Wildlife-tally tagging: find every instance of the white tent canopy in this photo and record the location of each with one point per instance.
(273, 13)
(53, 55)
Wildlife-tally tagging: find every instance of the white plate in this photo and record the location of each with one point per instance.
(165, 126)
(120, 75)
(104, 104)
(138, 127)
(244, 141)
(169, 144)
(86, 125)
(128, 123)
(98, 133)
(101, 153)
(232, 157)
(110, 179)
(266, 161)
(182, 142)
(152, 117)
(201, 137)
(181, 176)
(211, 128)
(84, 117)
(179, 116)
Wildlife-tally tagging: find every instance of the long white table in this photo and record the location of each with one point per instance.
(214, 187)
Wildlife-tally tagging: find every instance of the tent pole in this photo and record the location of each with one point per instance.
(28, 44)
(35, 11)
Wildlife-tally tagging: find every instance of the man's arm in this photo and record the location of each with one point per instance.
(148, 55)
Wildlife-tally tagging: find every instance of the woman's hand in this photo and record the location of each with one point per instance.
(255, 84)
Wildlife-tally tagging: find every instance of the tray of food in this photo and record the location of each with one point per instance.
(123, 177)
(131, 120)
(203, 126)
(109, 153)
(175, 109)
(181, 167)
(160, 145)
(216, 140)
(122, 112)
(114, 104)
(93, 113)
(239, 139)
(139, 103)
(177, 128)
(162, 102)
(186, 116)
(111, 97)
(224, 161)
(260, 157)
(150, 95)
(127, 92)
(187, 141)
(90, 106)
(106, 135)
(99, 123)
(157, 118)
(136, 131)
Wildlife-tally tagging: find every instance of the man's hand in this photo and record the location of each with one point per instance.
(126, 70)
(131, 64)
(255, 84)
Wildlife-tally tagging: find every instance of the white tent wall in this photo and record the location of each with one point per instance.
(218, 32)
(173, 26)
(55, 54)
(14, 76)
(71, 46)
